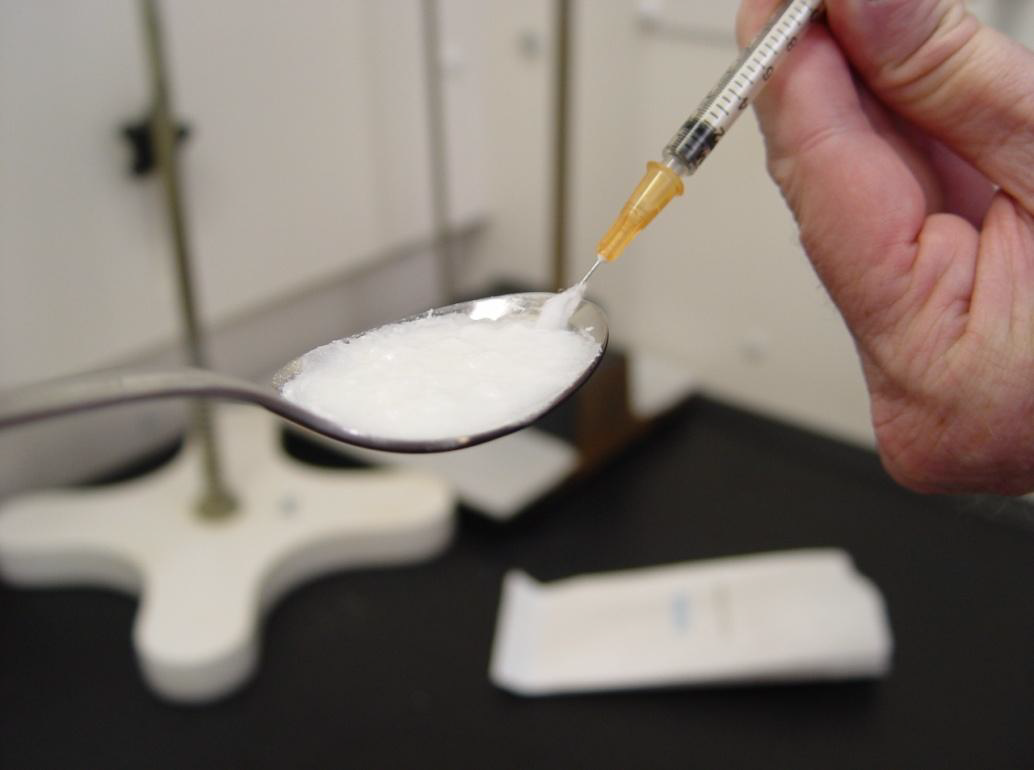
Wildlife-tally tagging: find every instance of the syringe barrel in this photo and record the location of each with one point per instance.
(737, 88)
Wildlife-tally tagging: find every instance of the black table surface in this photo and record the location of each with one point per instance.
(385, 669)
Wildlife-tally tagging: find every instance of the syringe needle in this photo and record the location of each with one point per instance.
(596, 264)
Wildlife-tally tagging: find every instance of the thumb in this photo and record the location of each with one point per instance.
(958, 80)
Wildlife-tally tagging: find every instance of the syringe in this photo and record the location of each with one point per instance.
(714, 117)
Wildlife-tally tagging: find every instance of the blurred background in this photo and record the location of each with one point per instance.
(312, 174)
(350, 162)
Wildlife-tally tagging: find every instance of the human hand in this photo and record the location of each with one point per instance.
(901, 133)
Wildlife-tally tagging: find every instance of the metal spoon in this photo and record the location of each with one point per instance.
(102, 389)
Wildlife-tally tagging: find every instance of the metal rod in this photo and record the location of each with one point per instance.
(215, 501)
(442, 242)
(561, 107)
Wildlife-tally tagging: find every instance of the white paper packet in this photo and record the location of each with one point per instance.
(790, 616)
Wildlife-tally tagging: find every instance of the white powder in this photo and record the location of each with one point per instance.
(557, 311)
(438, 377)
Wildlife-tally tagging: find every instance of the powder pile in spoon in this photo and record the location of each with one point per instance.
(557, 310)
(438, 377)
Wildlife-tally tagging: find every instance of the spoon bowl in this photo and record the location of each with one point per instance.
(97, 390)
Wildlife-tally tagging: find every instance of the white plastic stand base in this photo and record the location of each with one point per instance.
(204, 585)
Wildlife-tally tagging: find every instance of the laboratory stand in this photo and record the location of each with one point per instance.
(204, 584)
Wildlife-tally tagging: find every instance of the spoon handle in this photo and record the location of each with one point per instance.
(97, 390)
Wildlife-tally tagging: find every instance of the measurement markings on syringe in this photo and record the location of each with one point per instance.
(756, 65)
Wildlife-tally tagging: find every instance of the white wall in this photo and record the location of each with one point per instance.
(309, 157)
(515, 52)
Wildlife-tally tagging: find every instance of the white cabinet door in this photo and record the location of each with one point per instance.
(308, 156)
